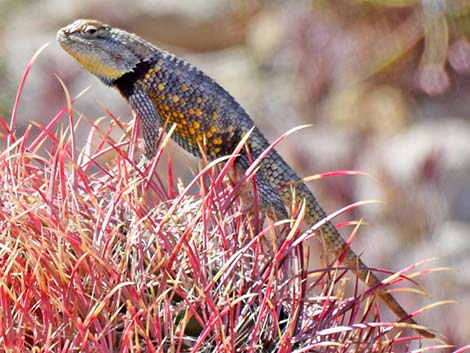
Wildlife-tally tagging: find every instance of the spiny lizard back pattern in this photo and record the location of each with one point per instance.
(163, 89)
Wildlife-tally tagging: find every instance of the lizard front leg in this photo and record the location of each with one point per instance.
(149, 118)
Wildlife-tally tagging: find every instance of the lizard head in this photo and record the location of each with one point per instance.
(106, 52)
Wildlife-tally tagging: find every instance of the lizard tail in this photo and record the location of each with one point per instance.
(336, 244)
(334, 241)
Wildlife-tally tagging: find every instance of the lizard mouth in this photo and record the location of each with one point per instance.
(64, 38)
(61, 35)
(66, 41)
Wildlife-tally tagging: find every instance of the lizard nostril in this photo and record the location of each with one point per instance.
(62, 32)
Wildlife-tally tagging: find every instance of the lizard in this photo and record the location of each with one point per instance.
(164, 90)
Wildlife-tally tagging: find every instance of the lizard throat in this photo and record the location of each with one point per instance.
(126, 83)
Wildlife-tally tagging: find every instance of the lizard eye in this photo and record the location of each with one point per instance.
(90, 31)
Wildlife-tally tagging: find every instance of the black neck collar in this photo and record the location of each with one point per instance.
(126, 83)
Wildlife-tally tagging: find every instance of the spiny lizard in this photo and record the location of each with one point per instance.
(165, 90)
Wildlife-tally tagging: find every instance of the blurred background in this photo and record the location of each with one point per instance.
(385, 85)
